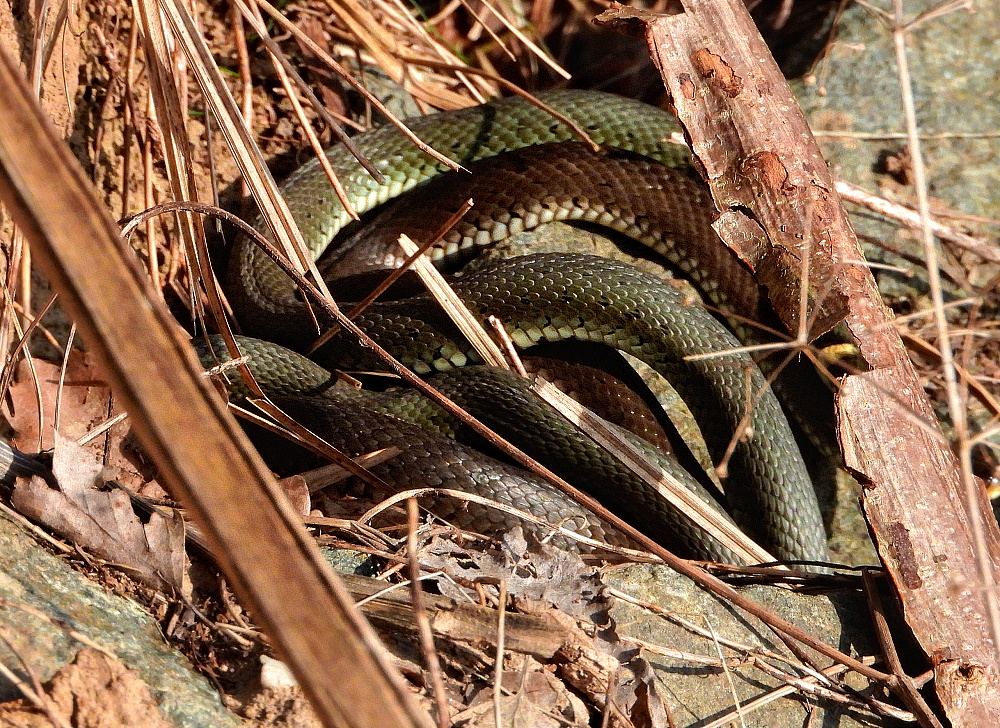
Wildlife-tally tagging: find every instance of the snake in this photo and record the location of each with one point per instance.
(640, 183)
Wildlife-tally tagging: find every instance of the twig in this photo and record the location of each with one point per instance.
(420, 615)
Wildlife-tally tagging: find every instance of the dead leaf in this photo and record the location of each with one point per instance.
(297, 490)
(103, 520)
(84, 401)
(534, 698)
(531, 570)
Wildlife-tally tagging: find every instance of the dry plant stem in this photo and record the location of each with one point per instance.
(394, 276)
(511, 356)
(741, 119)
(908, 217)
(326, 475)
(728, 718)
(538, 52)
(985, 557)
(207, 275)
(737, 706)
(20, 346)
(8, 314)
(877, 611)
(817, 684)
(498, 662)
(486, 27)
(688, 568)
(99, 430)
(35, 695)
(515, 89)
(36, 531)
(320, 445)
(398, 273)
(246, 154)
(981, 393)
(365, 29)
(171, 115)
(285, 74)
(353, 82)
(202, 456)
(287, 71)
(60, 388)
(33, 373)
(453, 306)
(427, 648)
(290, 427)
(686, 503)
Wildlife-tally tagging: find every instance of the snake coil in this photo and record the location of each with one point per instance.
(555, 297)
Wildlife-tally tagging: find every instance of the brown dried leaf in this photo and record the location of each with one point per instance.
(103, 521)
(297, 490)
(83, 406)
(556, 576)
(534, 698)
(556, 586)
(84, 401)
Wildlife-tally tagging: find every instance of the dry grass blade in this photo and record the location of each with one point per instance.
(517, 33)
(384, 47)
(326, 58)
(319, 445)
(202, 455)
(172, 124)
(686, 503)
(909, 217)
(261, 185)
(286, 73)
(453, 306)
(326, 475)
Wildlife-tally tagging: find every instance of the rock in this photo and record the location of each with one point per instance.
(693, 691)
(33, 578)
(855, 107)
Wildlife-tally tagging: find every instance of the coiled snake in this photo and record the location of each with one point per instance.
(639, 184)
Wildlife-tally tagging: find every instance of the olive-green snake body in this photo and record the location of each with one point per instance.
(553, 297)
(265, 296)
(347, 418)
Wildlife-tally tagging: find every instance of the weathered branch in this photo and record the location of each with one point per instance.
(781, 213)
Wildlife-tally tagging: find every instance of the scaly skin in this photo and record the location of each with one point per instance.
(777, 504)
(265, 297)
(503, 402)
(555, 297)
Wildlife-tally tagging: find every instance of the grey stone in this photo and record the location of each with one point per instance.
(697, 692)
(32, 577)
(856, 95)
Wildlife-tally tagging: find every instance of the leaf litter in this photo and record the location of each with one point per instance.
(92, 511)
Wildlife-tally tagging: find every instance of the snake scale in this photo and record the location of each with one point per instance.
(640, 183)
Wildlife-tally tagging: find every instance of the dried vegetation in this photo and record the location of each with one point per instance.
(149, 124)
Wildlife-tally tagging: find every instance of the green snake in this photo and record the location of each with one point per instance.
(655, 199)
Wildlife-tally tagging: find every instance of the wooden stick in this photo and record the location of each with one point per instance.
(779, 206)
(202, 455)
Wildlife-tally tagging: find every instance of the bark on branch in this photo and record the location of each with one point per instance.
(780, 211)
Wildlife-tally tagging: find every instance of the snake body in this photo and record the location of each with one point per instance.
(358, 420)
(552, 297)
(265, 296)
